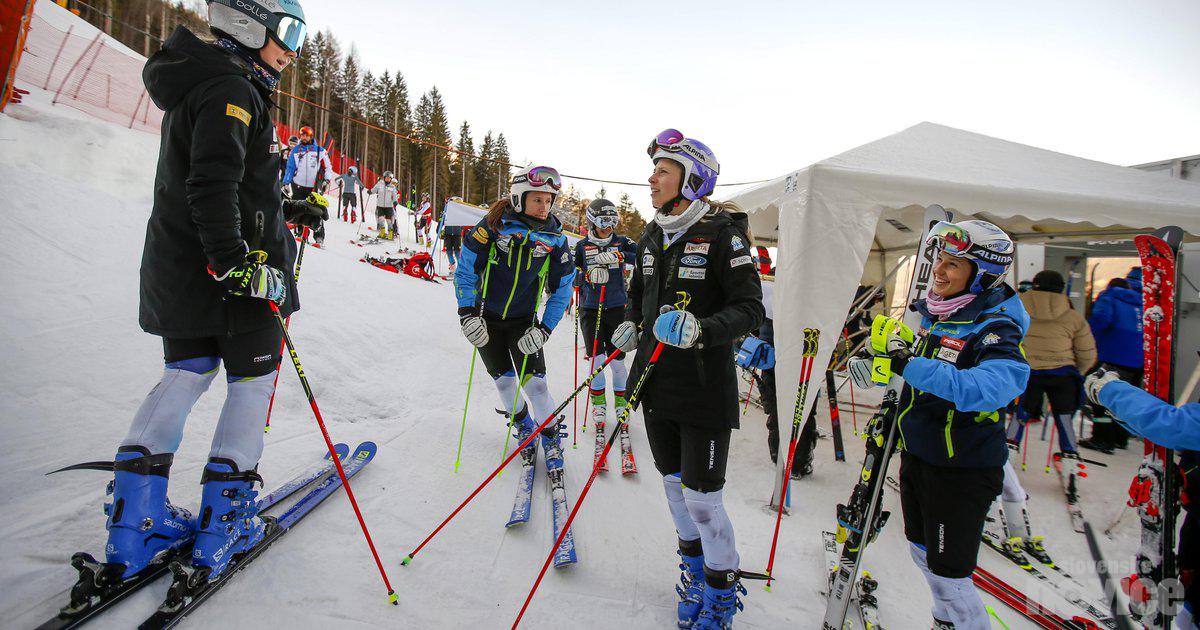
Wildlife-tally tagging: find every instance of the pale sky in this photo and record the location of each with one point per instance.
(774, 86)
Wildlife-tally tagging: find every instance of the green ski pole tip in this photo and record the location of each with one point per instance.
(405, 561)
(393, 598)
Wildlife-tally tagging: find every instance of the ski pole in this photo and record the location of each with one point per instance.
(286, 323)
(337, 461)
(409, 558)
(1024, 445)
(812, 338)
(575, 413)
(1050, 445)
(622, 418)
(853, 405)
(471, 373)
(749, 393)
(595, 344)
(537, 304)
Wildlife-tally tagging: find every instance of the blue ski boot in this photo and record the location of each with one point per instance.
(721, 603)
(142, 524)
(691, 582)
(228, 523)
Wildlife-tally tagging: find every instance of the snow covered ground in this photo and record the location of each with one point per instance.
(388, 364)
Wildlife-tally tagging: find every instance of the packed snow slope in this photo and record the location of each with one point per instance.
(388, 364)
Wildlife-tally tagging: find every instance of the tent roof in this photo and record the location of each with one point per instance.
(1030, 192)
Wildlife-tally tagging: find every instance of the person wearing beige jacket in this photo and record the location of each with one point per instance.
(1060, 348)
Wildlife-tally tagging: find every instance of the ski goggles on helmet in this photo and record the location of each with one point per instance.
(668, 140)
(287, 31)
(950, 238)
(539, 176)
(604, 221)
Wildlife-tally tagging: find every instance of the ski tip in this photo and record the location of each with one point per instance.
(407, 559)
(393, 598)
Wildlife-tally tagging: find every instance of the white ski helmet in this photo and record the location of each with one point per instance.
(533, 179)
(250, 22)
(986, 246)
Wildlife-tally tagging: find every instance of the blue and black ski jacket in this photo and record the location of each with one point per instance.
(965, 371)
(521, 260)
(614, 292)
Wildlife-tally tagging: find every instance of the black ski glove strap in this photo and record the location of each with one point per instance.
(310, 212)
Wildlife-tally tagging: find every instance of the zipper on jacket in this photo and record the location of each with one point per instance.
(949, 440)
(516, 276)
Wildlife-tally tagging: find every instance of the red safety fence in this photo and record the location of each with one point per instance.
(14, 18)
(87, 71)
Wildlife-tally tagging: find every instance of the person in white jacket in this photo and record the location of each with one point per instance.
(386, 195)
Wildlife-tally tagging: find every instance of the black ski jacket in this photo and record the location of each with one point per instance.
(713, 264)
(218, 167)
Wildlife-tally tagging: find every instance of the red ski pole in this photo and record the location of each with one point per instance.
(409, 558)
(337, 461)
(1050, 445)
(621, 419)
(812, 338)
(749, 393)
(286, 323)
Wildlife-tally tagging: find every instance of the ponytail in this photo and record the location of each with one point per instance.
(497, 211)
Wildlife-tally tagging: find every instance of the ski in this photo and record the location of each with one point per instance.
(183, 598)
(552, 449)
(862, 516)
(524, 499)
(864, 600)
(1153, 491)
(1030, 609)
(1072, 592)
(628, 464)
(599, 459)
(89, 597)
(839, 451)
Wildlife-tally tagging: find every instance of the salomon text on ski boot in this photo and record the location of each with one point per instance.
(142, 523)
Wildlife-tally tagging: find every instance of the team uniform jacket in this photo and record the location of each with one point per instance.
(350, 183)
(964, 371)
(307, 164)
(713, 263)
(614, 293)
(218, 167)
(386, 195)
(1153, 419)
(518, 255)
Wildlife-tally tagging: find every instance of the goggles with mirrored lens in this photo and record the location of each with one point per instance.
(667, 140)
(539, 176)
(288, 32)
(606, 222)
(950, 238)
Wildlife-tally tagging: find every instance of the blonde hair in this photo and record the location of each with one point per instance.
(728, 207)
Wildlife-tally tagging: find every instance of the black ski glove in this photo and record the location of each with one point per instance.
(310, 212)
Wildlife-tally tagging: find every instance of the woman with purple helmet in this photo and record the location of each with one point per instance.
(696, 288)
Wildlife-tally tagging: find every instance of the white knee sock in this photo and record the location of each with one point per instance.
(620, 374)
(537, 392)
(716, 530)
(598, 384)
(158, 424)
(954, 599)
(1012, 498)
(684, 525)
(239, 435)
(506, 384)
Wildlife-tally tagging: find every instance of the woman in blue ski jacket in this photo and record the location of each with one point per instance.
(1174, 428)
(964, 368)
(600, 260)
(513, 262)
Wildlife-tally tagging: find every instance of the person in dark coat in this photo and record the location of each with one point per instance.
(217, 259)
(1116, 324)
(694, 291)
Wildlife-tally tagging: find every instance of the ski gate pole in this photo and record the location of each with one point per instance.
(337, 461)
(286, 323)
(409, 558)
(471, 373)
(592, 359)
(812, 338)
(621, 419)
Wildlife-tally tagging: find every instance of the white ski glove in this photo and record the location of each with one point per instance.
(474, 329)
(606, 258)
(625, 337)
(533, 339)
(1096, 382)
(860, 372)
(597, 275)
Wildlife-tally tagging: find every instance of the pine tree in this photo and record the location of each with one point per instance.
(501, 155)
(632, 224)
(466, 147)
(483, 191)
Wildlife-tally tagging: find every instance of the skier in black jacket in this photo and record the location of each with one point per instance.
(216, 250)
(690, 400)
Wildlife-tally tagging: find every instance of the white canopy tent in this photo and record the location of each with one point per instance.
(852, 216)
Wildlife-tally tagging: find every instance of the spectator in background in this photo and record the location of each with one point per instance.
(1060, 349)
(350, 185)
(386, 194)
(1116, 322)
(452, 236)
(307, 165)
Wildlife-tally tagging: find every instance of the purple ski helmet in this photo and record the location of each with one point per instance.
(700, 166)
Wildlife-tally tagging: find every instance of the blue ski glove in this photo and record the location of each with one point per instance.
(677, 328)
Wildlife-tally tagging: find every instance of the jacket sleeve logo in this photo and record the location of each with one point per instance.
(238, 113)
(739, 261)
